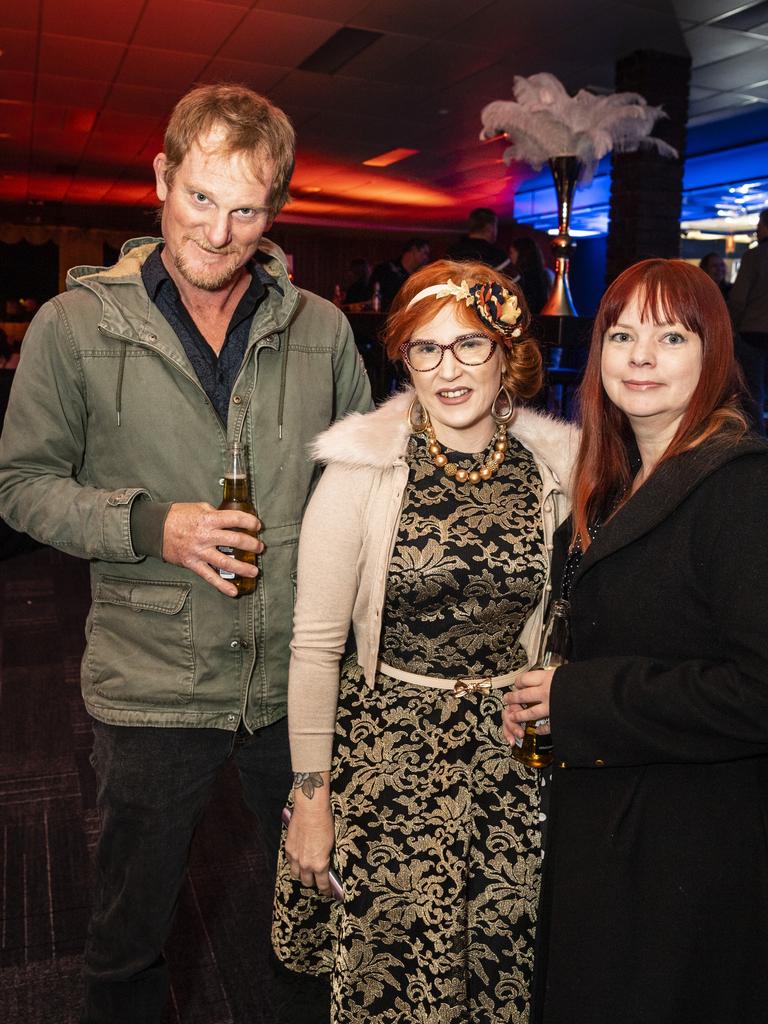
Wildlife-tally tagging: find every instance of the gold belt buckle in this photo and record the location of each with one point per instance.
(466, 685)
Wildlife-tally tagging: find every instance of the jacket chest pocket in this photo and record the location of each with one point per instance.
(140, 643)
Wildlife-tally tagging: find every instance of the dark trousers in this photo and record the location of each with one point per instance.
(752, 353)
(153, 785)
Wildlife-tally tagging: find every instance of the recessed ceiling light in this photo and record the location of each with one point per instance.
(392, 156)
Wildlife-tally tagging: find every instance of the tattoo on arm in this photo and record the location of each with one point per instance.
(307, 782)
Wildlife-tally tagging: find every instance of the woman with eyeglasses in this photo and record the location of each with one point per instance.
(429, 534)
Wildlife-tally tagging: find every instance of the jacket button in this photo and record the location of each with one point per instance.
(236, 399)
(234, 644)
(599, 763)
(243, 645)
(231, 718)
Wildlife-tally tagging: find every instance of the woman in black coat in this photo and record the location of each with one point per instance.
(655, 895)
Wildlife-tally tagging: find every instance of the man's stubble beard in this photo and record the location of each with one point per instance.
(212, 281)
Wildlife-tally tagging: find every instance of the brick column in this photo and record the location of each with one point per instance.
(646, 188)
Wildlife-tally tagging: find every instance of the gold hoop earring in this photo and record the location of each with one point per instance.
(422, 424)
(503, 417)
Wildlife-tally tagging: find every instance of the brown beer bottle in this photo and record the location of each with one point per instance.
(237, 495)
(533, 750)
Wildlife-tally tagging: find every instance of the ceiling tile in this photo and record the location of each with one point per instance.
(734, 72)
(13, 187)
(87, 189)
(20, 15)
(16, 87)
(717, 115)
(52, 187)
(95, 60)
(202, 29)
(439, 64)
(760, 90)
(510, 30)
(92, 19)
(720, 101)
(75, 92)
(261, 77)
(19, 50)
(427, 18)
(330, 10)
(708, 44)
(130, 193)
(282, 39)
(136, 99)
(380, 55)
(703, 10)
(160, 69)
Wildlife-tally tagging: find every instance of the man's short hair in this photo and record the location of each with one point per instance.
(415, 243)
(763, 218)
(251, 125)
(481, 218)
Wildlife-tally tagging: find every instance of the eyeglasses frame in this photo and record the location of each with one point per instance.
(406, 346)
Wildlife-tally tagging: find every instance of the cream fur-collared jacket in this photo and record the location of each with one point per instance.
(347, 538)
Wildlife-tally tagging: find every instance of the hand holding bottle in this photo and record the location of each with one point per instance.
(526, 707)
(194, 532)
(528, 702)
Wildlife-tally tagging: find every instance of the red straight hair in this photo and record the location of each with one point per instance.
(669, 291)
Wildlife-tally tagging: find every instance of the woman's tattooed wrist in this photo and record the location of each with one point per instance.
(307, 782)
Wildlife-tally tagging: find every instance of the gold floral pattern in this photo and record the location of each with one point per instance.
(437, 826)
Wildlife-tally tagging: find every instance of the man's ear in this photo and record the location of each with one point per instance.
(160, 165)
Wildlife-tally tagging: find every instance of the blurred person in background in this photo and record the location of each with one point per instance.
(391, 274)
(527, 263)
(479, 243)
(748, 305)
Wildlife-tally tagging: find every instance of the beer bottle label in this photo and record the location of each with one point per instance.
(225, 573)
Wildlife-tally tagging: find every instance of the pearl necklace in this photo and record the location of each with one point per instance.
(473, 476)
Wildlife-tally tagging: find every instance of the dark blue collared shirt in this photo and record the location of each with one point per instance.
(216, 374)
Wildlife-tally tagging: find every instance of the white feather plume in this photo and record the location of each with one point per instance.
(543, 121)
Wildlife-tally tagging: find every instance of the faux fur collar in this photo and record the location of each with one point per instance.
(379, 439)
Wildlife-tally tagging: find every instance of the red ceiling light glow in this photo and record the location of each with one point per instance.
(393, 156)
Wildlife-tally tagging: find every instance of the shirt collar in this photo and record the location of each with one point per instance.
(155, 276)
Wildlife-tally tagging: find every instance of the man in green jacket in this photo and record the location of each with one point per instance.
(130, 387)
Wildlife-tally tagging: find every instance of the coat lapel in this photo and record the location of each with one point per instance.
(666, 489)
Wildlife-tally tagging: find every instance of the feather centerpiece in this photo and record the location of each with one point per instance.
(543, 121)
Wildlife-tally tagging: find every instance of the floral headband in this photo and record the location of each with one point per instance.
(494, 305)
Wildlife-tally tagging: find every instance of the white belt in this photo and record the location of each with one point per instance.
(462, 685)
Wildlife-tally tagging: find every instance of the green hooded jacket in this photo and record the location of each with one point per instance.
(106, 410)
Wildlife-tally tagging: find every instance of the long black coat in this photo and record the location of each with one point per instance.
(655, 897)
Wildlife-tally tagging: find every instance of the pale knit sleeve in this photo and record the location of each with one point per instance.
(326, 588)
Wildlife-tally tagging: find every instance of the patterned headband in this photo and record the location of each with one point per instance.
(494, 305)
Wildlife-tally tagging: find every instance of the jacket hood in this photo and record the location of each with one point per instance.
(379, 439)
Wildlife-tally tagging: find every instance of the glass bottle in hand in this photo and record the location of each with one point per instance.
(237, 495)
(533, 750)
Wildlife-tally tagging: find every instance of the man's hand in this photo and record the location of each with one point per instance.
(193, 533)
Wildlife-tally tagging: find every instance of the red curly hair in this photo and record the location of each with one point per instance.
(523, 370)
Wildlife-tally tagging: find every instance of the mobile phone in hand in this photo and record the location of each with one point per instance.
(337, 889)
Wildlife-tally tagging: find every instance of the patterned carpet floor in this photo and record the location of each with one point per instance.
(219, 947)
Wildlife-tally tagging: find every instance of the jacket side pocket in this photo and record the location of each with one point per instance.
(140, 644)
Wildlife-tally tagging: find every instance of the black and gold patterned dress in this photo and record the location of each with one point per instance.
(437, 826)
